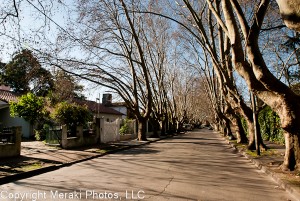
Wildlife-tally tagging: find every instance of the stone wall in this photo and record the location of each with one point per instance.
(12, 149)
(80, 139)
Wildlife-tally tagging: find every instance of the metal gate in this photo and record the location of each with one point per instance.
(53, 136)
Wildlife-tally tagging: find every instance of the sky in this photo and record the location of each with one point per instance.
(14, 38)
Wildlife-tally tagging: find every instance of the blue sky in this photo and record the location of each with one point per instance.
(32, 28)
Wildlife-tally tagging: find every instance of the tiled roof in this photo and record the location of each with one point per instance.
(93, 106)
(8, 96)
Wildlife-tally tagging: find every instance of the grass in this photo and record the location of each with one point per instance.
(108, 148)
(102, 151)
(251, 153)
(269, 152)
(29, 167)
(293, 178)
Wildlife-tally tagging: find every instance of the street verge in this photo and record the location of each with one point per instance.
(277, 176)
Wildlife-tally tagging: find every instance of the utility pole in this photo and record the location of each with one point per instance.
(98, 100)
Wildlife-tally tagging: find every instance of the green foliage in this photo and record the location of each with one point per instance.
(245, 126)
(25, 74)
(125, 127)
(270, 125)
(70, 90)
(40, 135)
(72, 114)
(30, 107)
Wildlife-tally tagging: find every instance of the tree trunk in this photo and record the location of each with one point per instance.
(228, 131)
(219, 126)
(171, 127)
(142, 129)
(163, 127)
(292, 152)
(239, 130)
(262, 82)
(251, 132)
(155, 127)
(290, 13)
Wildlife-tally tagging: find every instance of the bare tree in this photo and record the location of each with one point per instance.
(256, 73)
(210, 41)
(115, 53)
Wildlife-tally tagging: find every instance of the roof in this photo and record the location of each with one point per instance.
(118, 104)
(93, 106)
(8, 96)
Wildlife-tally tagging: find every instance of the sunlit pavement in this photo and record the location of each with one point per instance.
(194, 166)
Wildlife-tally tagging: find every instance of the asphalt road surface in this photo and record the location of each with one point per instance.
(198, 165)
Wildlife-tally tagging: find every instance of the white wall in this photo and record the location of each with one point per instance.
(121, 109)
(109, 131)
(109, 117)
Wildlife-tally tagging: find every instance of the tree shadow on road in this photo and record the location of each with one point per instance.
(139, 150)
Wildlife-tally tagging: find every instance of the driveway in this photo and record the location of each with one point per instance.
(198, 165)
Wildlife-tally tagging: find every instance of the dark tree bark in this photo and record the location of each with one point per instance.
(142, 125)
(240, 133)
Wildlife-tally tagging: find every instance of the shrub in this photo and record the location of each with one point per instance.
(30, 107)
(245, 126)
(40, 135)
(125, 127)
(270, 126)
(72, 114)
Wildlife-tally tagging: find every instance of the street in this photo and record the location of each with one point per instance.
(198, 165)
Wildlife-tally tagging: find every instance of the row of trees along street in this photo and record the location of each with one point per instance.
(176, 61)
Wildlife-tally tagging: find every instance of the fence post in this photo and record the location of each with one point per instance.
(118, 129)
(18, 138)
(79, 132)
(64, 136)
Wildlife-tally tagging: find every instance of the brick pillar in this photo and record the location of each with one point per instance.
(18, 139)
(64, 136)
(79, 132)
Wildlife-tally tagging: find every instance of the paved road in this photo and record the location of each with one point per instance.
(195, 166)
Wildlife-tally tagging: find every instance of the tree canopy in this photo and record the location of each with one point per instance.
(30, 107)
(25, 74)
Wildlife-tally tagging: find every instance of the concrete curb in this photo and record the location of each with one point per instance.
(24, 175)
(287, 187)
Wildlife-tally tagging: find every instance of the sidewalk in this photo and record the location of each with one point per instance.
(269, 162)
(37, 158)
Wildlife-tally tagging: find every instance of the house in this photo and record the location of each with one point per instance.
(118, 106)
(6, 120)
(100, 110)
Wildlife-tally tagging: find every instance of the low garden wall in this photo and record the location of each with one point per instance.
(80, 139)
(125, 137)
(11, 146)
